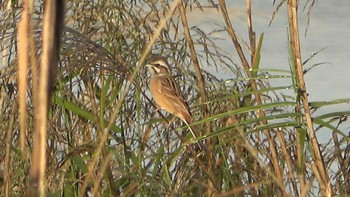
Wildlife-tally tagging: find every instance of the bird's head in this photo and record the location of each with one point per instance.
(158, 67)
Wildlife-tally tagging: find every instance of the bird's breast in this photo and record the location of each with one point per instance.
(155, 86)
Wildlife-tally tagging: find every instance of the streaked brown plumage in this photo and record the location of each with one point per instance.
(166, 93)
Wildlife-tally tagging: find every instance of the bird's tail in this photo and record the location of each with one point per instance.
(200, 144)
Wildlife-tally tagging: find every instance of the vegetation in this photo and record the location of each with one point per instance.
(105, 136)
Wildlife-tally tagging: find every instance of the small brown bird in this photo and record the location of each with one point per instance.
(166, 93)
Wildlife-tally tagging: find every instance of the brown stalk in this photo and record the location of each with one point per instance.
(7, 159)
(104, 166)
(288, 160)
(252, 83)
(319, 169)
(23, 57)
(52, 27)
(197, 69)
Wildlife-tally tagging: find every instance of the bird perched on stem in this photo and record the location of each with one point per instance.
(166, 93)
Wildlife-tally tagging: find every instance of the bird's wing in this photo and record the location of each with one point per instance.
(171, 90)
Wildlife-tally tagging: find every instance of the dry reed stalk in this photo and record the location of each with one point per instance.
(52, 28)
(23, 60)
(319, 168)
(197, 69)
(288, 160)
(7, 159)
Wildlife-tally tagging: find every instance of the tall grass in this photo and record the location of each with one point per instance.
(105, 136)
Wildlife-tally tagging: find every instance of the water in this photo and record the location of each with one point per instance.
(329, 28)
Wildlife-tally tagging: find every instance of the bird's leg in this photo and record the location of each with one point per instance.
(170, 122)
(157, 109)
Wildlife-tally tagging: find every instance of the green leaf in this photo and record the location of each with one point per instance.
(79, 162)
(256, 61)
(81, 112)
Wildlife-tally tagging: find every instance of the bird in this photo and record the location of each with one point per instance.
(167, 94)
